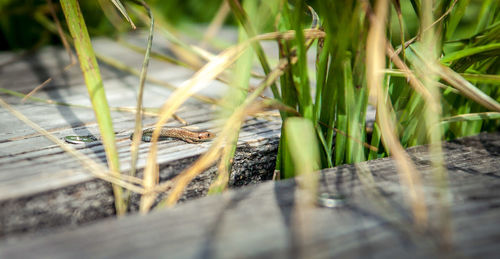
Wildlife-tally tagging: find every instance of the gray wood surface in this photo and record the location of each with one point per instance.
(42, 187)
(262, 220)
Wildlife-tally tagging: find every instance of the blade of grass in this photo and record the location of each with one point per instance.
(341, 118)
(472, 117)
(95, 87)
(455, 17)
(374, 64)
(112, 14)
(242, 17)
(467, 89)
(397, 6)
(136, 139)
(375, 142)
(356, 102)
(486, 14)
(233, 99)
(490, 50)
(302, 144)
(123, 11)
(432, 116)
(478, 78)
(284, 168)
(301, 77)
(322, 58)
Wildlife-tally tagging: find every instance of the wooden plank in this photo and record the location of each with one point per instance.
(262, 221)
(41, 187)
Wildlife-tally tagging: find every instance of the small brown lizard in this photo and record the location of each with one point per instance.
(179, 133)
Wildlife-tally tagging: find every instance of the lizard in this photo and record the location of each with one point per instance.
(186, 135)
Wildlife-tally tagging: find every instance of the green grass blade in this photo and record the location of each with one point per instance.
(95, 87)
(136, 140)
(376, 138)
(233, 99)
(356, 102)
(322, 58)
(476, 78)
(472, 117)
(416, 6)
(300, 68)
(303, 147)
(455, 17)
(468, 89)
(123, 11)
(242, 17)
(488, 50)
(486, 14)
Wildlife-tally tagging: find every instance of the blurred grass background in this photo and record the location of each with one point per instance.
(20, 27)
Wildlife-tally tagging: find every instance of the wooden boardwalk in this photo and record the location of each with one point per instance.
(262, 220)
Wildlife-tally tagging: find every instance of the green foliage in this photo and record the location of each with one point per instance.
(25, 16)
(341, 94)
(20, 26)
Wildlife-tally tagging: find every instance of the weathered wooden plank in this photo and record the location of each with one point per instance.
(262, 221)
(20, 187)
(42, 187)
